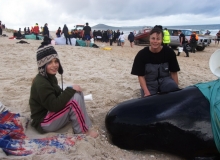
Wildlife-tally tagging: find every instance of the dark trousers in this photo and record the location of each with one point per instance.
(193, 47)
(68, 37)
(37, 38)
(185, 50)
(110, 42)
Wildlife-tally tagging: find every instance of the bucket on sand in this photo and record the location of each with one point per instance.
(180, 49)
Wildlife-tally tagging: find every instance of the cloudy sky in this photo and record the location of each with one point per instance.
(25, 13)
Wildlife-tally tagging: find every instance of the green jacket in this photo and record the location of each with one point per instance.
(46, 95)
(166, 37)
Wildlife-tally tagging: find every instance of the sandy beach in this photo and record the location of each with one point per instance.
(103, 73)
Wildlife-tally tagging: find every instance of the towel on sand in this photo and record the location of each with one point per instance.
(13, 140)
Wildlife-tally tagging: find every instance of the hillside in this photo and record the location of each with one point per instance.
(105, 27)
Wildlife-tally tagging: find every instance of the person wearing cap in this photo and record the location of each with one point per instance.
(52, 107)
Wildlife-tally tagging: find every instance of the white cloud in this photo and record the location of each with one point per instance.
(19, 14)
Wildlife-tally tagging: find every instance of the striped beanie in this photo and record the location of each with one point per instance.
(45, 54)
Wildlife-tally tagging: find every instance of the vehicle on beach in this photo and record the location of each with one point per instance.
(142, 37)
(79, 29)
(174, 39)
(208, 38)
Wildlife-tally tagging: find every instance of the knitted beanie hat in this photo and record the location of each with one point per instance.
(45, 54)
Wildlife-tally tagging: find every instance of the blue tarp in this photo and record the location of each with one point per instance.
(83, 43)
(211, 90)
(33, 36)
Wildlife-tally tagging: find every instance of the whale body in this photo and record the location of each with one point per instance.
(176, 122)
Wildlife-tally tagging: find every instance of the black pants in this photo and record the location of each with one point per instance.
(193, 47)
(37, 38)
(185, 50)
(0, 31)
(68, 37)
(110, 42)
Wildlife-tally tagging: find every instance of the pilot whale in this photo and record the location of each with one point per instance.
(176, 122)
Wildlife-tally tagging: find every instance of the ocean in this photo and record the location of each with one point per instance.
(213, 28)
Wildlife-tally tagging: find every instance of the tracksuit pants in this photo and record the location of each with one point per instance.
(74, 111)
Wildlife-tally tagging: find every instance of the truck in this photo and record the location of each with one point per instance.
(174, 39)
(78, 29)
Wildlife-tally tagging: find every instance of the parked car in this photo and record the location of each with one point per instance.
(174, 39)
(207, 39)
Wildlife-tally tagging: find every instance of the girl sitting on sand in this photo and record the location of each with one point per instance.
(51, 107)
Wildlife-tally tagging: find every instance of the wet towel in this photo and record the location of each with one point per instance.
(13, 140)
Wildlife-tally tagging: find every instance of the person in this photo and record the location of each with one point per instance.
(28, 30)
(74, 34)
(156, 66)
(65, 31)
(207, 32)
(36, 31)
(131, 39)
(0, 28)
(19, 35)
(193, 42)
(58, 33)
(25, 31)
(183, 43)
(217, 37)
(41, 30)
(52, 107)
(122, 39)
(15, 33)
(94, 34)
(110, 36)
(87, 32)
(166, 37)
(46, 30)
(117, 38)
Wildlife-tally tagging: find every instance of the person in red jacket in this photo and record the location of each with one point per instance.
(36, 31)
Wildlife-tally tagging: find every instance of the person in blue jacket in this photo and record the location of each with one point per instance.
(131, 39)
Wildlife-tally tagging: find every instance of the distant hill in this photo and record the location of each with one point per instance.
(105, 27)
(123, 28)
